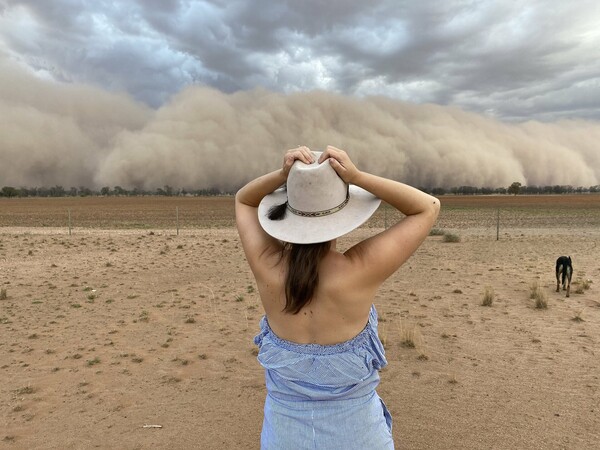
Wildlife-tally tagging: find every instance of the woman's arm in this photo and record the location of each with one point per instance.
(381, 255)
(255, 240)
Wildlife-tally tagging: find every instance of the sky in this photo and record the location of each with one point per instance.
(99, 83)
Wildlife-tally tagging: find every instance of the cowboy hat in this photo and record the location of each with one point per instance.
(319, 205)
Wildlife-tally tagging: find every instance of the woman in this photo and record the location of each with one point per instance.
(321, 360)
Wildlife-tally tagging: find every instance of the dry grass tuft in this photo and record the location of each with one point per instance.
(436, 232)
(383, 333)
(488, 296)
(3, 294)
(582, 286)
(538, 295)
(408, 337)
(451, 237)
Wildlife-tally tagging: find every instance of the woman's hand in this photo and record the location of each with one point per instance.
(301, 153)
(341, 163)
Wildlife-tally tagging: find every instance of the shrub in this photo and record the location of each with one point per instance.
(408, 337)
(539, 296)
(450, 237)
(436, 232)
(488, 296)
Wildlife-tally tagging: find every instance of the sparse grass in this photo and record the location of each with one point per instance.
(582, 286)
(190, 319)
(239, 298)
(25, 390)
(578, 317)
(538, 295)
(451, 237)
(437, 232)
(3, 294)
(407, 338)
(93, 362)
(383, 334)
(488, 296)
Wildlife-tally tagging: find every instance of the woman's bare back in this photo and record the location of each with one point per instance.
(338, 311)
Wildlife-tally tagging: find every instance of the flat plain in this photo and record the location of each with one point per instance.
(124, 323)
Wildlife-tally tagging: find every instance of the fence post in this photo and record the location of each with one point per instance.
(498, 224)
(385, 216)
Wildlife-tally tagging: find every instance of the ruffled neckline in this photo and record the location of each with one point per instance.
(320, 349)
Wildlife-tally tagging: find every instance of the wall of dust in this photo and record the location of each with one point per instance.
(77, 135)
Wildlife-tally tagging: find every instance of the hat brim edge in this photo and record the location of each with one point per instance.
(309, 230)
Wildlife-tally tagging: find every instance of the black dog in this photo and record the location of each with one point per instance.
(564, 269)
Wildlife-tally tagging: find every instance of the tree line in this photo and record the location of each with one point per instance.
(106, 191)
(169, 191)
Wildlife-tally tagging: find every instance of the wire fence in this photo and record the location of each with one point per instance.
(174, 213)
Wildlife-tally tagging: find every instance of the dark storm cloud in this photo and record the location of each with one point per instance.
(511, 60)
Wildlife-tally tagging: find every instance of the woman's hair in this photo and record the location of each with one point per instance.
(303, 267)
(302, 276)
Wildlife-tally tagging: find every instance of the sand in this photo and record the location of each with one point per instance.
(105, 331)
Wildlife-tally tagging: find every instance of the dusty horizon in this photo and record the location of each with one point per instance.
(82, 135)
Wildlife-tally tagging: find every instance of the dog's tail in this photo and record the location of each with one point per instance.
(567, 270)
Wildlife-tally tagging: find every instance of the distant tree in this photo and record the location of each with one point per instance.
(438, 191)
(105, 191)
(9, 191)
(84, 192)
(514, 188)
(73, 191)
(120, 191)
(57, 191)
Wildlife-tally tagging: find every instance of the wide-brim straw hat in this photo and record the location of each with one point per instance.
(320, 205)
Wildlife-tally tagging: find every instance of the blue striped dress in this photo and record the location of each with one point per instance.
(323, 396)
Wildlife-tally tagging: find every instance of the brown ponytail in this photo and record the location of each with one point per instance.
(303, 273)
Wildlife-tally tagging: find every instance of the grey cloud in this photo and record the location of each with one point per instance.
(483, 56)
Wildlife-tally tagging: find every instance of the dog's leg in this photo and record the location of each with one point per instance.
(569, 275)
(559, 269)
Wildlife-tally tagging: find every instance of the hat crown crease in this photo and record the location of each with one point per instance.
(315, 187)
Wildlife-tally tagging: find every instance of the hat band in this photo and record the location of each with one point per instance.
(325, 212)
